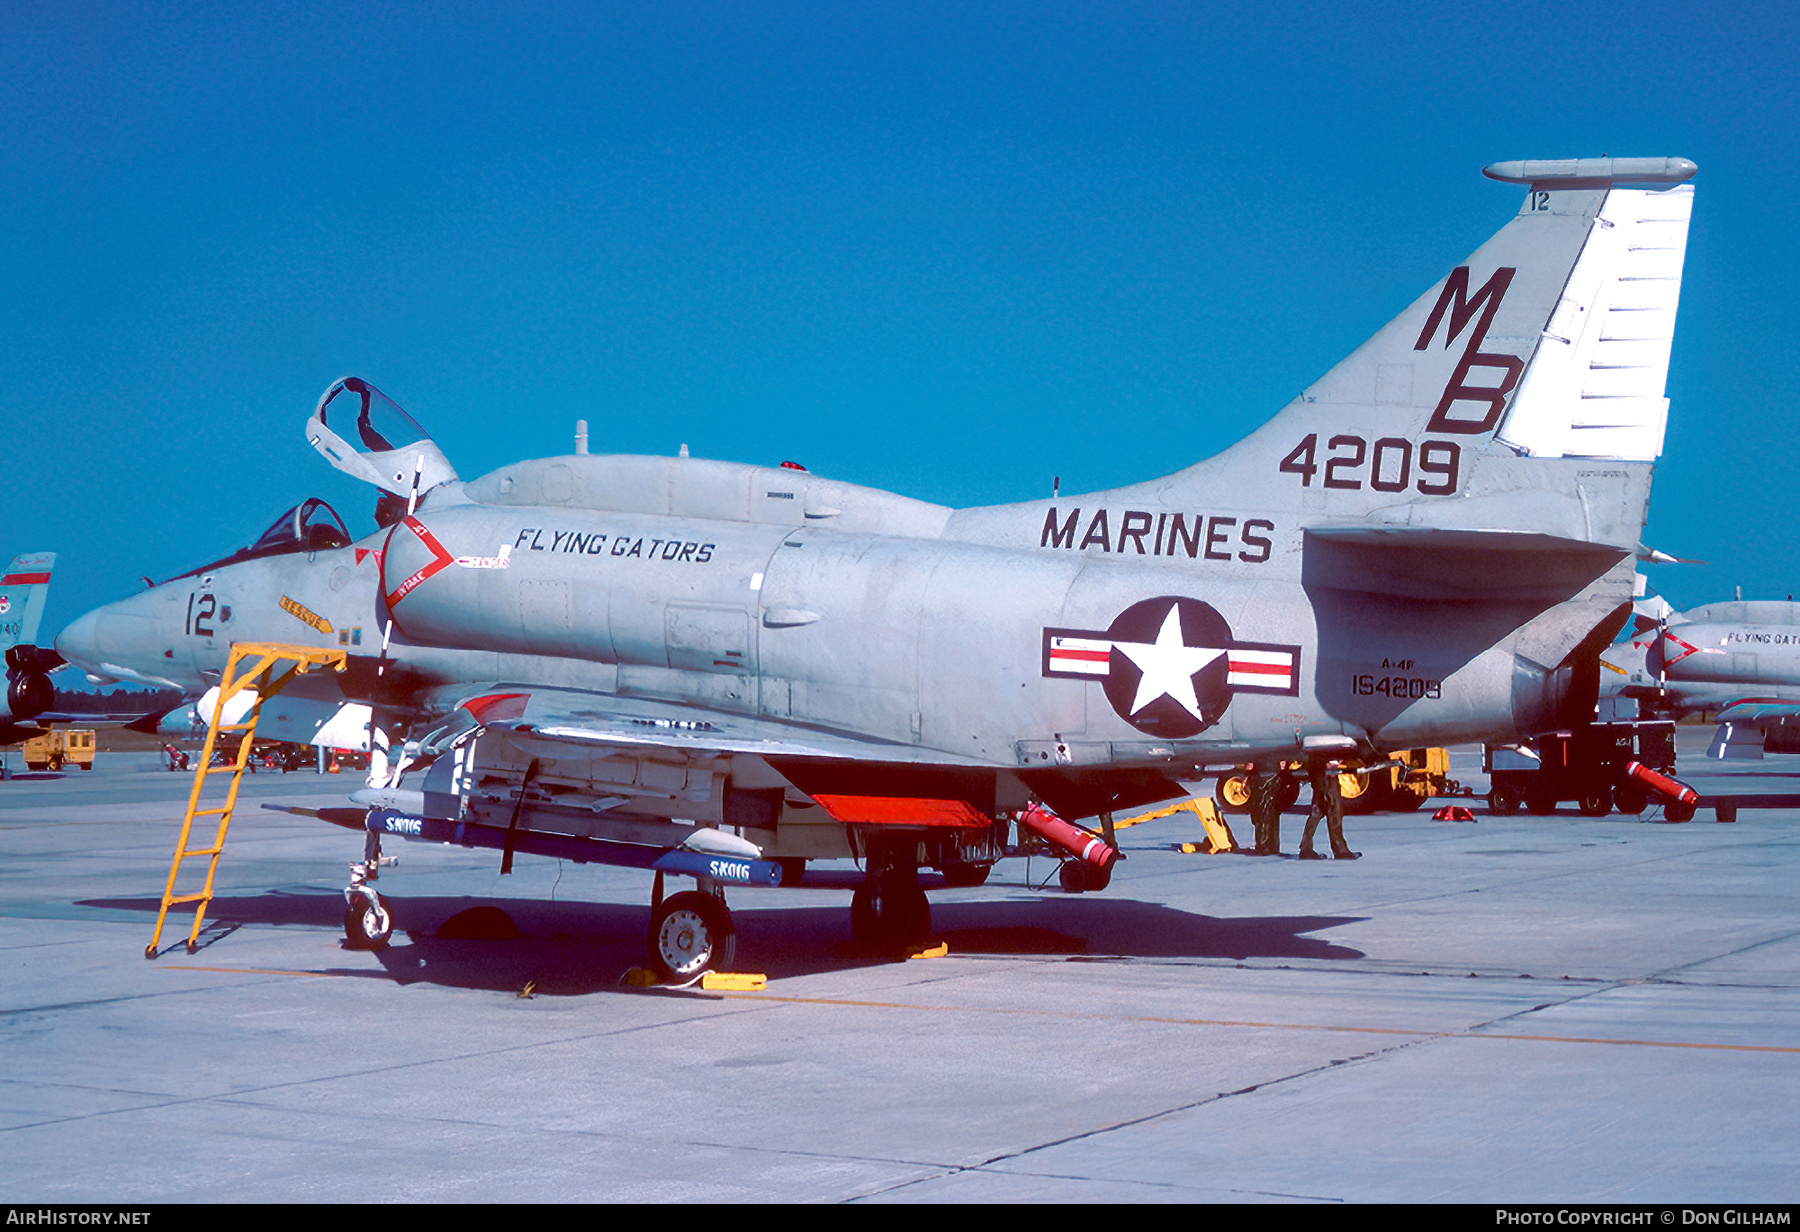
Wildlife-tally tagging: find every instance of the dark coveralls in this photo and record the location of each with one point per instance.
(1265, 811)
(1327, 802)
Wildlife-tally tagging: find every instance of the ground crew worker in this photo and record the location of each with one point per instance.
(1265, 810)
(1327, 802)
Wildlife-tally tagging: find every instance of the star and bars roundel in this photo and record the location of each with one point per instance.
(1170, 666)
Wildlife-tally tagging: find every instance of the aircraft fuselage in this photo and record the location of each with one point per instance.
(1190, 639)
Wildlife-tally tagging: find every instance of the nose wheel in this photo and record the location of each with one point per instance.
(367, 922)
(691, 933)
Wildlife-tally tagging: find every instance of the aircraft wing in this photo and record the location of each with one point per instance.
(597, 720)
(813, 760)
(1749, 726)
(1754, 710)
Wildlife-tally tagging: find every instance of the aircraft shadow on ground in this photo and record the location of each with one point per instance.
(571, 947)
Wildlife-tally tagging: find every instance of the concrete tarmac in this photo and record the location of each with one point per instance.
(1543, 1009)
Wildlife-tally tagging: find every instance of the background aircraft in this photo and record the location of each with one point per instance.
(23, 590)
(703, 667)
(1738, 662)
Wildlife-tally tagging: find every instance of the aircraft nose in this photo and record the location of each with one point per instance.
(79, 642)
(118, 642)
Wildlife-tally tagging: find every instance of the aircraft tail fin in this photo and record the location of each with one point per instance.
(1549, 344)
(1553, 337)
(23, 589)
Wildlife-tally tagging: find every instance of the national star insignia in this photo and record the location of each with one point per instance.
(1173, 648)
(1168, 665)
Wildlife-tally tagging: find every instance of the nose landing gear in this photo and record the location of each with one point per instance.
(367, 922)
(691, 933)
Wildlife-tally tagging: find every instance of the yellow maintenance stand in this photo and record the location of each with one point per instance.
(258, 662)
(1218, 835)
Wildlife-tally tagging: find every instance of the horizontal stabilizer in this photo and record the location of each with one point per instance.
(1427, 562)
(1440, 539)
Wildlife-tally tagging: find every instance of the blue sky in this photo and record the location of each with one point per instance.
(947, 249)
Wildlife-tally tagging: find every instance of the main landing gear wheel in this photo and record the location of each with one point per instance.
(367, 922)
(1363, 794)
(691, 933)
(890, 913)
(1232, 793)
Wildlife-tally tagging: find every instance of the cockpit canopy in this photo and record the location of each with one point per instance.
(381, 426)
(364, 433)
(310, 526)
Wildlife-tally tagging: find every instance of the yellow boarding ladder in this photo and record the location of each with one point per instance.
(261, 676)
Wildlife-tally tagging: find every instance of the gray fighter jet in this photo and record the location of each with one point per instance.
(709, 668)
(1737, 661)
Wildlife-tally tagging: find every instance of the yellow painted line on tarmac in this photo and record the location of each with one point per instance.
(1631, 1043)
(1415, 1033)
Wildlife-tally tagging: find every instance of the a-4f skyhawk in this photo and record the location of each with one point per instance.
(708, 667)
(1738, 661)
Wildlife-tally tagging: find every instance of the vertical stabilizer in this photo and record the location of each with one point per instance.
(1478, 406)
(23, 589)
